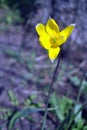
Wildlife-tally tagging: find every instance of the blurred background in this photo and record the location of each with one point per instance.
(25, 70)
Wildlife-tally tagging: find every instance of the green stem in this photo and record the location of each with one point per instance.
(75, 115)
(49, 93)
(64, 121)
(77, 100)
(80, 89)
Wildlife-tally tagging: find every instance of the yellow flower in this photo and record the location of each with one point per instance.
(51, 37)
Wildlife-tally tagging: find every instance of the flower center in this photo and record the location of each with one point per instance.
(53, 42)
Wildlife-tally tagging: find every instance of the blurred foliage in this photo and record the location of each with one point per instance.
(76, 81)
(13, 98)
(23, 6)
(64, 104)
(24, 113)
(70, 118)
(9, 17)
(5, 113)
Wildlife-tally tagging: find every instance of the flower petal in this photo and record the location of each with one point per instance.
(53, 53)
(45, 40)
(40, 28)
(52, 27)
(66, 33)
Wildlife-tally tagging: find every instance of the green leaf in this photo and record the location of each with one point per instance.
(13, 98)
(55, 103)
(77, 107)
(12, 53)
(75, 129)
(80, 124)
(24, 113)
(63, 105)
(33, 96)
(85, 127)
(84, 86)
(75, 80)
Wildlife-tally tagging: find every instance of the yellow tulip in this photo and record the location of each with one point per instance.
(51, 38)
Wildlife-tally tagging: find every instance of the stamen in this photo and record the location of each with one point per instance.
(53, 42)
